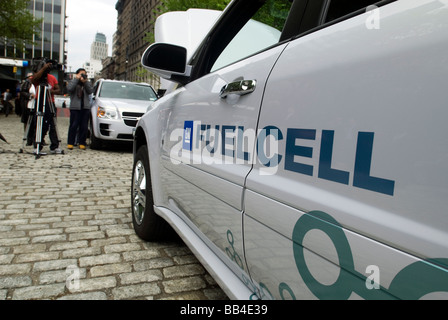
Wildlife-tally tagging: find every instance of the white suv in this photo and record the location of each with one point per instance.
(116, 108)
(304, 151)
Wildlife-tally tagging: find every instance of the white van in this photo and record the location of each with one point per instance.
(303, 153)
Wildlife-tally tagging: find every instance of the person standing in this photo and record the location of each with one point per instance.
(80, 89)
(43, 78)
(7, 101)
(17, 106)
(27, 92)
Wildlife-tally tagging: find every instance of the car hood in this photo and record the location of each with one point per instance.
(126, 105)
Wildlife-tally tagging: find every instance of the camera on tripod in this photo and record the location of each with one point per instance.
(54, 65)
(40, 63)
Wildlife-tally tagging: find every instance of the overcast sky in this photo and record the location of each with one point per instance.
(85, 19)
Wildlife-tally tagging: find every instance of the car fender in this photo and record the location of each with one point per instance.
(150, 131)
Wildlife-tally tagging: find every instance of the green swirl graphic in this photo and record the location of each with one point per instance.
(413, 282)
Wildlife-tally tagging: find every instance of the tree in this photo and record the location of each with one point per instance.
(183, 5)
(17, 23)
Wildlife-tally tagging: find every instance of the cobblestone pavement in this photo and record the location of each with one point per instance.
(66, 230)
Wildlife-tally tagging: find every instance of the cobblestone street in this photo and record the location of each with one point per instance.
(66, 230)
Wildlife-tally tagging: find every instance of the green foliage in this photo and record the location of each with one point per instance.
(182, 5)
(274, 13)
(17, 23)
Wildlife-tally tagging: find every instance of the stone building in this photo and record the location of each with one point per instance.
(135, 22)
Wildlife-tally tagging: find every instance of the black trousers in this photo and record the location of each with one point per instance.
(48, 126)
(79, 121)
(8, 107)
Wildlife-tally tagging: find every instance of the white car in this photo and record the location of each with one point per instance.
(116, 108)
(303, 153)
(62, 101)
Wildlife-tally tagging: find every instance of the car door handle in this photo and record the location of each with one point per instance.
(239, 88)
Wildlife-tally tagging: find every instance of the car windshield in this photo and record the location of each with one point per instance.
(121, 90)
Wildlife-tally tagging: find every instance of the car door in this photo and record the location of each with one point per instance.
(349, 210)
(209, 134)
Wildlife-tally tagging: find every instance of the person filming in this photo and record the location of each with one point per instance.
(80, 89)
(42, 78)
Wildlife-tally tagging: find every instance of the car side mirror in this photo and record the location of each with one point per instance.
(167, 61)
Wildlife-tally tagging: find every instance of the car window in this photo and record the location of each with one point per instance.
(118, 90)
(339, 8)
(262, 31)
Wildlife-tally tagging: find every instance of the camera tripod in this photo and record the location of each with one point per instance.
(4, 139)
(44, 109)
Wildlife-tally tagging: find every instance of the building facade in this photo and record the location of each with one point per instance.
(50, 43)
(135, 23)
(108, 71)
(98, 52)
(99, 48)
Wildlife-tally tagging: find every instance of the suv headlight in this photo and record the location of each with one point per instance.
(107, 113)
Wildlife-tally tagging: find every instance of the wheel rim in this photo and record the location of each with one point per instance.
(139, 192)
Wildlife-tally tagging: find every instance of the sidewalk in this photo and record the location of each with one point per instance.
(63, 112)
(66, 229)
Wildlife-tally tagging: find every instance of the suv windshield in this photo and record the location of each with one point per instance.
(121, 90)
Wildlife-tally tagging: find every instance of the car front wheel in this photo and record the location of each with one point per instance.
(95, 143)
(147, 224)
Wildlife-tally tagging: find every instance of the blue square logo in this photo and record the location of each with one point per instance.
(188, 136)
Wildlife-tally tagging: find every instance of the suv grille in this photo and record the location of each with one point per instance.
(131, 118)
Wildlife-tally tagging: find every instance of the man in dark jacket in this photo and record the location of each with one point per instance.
(79, 88)
(25, 96)
(7, 97)
(27, 92)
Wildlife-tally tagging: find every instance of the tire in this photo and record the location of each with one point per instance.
(95, 143)
(147, 224)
